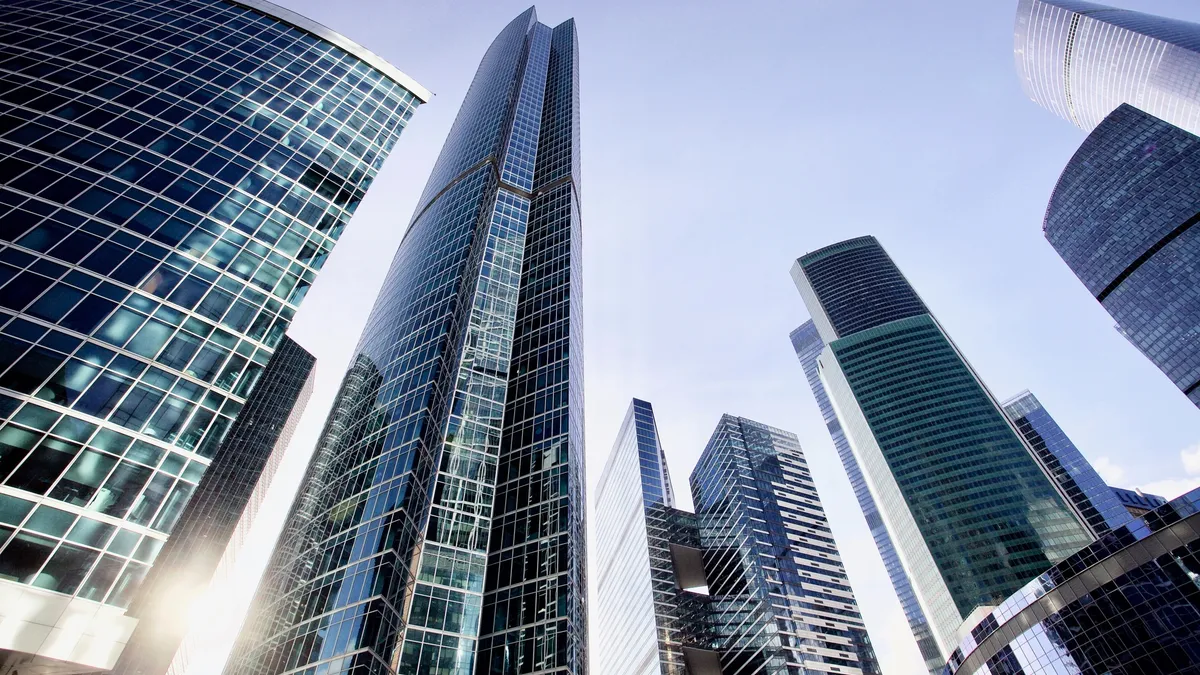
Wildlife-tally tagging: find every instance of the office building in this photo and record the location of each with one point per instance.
(1138, 503)
(441, 525)
(1081, 60)
(649, 621)
(1121, 217)
(752, 583)
(780, 600)
(212, 530)
(1084, 488)
(806, 341)
(971, 513)
(174, 175)
(1127, 603)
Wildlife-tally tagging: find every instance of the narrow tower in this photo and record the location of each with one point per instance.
(440, 526)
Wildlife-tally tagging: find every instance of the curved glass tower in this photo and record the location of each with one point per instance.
(1081, 60)
(440, 526)
(1137, 169)
(971, 513)
(173, 176)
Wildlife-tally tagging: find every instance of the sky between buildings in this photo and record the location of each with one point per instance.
(723, 140)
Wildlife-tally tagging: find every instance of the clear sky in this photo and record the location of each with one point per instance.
(723, 140)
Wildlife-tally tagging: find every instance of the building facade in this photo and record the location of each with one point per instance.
(441, 524)
(972, 514)
(1138, 503)
(1127, 603)
(1081, 60)
(1137, 169)
(779, 598)
(647, 558)
(173, 175)
(211, 531)
(806, 341)
(1091, 497)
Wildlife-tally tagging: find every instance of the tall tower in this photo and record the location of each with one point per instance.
(972, 515)
(1081, 60)
(1122, 217)
(173, 175)
(441, 523)
(1086, 490)
(808, 345)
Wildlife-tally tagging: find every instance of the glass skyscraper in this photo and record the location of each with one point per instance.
(780, 601)
(1128, 603)
(808, 345)
(1088, 493)
(971, 513)
(751, 584)
(1122, 217)
(440, 527)
(1137, 502)
(225, 502)
(1081, 60)
(648, 622)
(173, 175)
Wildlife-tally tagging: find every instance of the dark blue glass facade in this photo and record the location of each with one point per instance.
(1122, 218)
(1087, 492)
(808, 345)
(173, 175)
(1128, 603)
(1138, 503)
(440, 527)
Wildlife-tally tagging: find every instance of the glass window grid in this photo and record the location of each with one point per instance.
(382, 133)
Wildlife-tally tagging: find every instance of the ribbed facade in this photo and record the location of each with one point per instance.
(1127, 603)
(440, 526)
(808, 346)
(1122, 217)
(1085, 489)
(970, 511)
(173, 175)
(780, 601)
(1081, 60)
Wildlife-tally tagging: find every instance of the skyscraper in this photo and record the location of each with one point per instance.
(1121, 217)
(1084, 488)
(1081, 60)
(213, 526)
(971, 513)
(174, 175)
(752, 583)
(808, 345)
(647, 557)
(779, 592)
(1137, 502)
(441, 524)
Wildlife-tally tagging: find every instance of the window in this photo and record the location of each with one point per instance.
(66, 569)
(43, 466)
(24, 555)
(84, 477)
(120, 489)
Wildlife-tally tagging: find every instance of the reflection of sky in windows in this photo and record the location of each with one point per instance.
(169, 195)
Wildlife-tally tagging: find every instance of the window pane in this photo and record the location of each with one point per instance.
(130, 579)
(150, 339)
(65, 387)
(44, 465)
(15, 445)
(13, 510)
(150, 499)
(120, 489)
(102, 578)
(66, 569)
(135, 410)
(32, 370)
(103, 395)
(84, 477)
(174, 507)
(120, 327)
(90, 532)
(51, 521)
(25, 553)
(169, 419)
(55, 303)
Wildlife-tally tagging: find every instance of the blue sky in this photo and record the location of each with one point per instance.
(720, 142)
